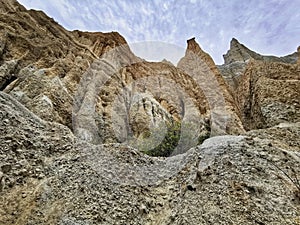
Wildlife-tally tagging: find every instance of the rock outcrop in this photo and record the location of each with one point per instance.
(266, 87)
(50, 177)
(78, 109)
(43, 66)
(240, 53)
(237, 58)
(41, 60)
(268, 94)
(224, 113)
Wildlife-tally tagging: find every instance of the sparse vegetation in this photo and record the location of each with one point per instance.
(167, 146)
(173, 133)
(206, 135)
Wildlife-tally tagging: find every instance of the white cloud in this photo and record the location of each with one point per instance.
(270, 27)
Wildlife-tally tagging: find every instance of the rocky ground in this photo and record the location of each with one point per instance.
(75, 108)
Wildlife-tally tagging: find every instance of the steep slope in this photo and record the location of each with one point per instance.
(48, 68)
(266, 88)
(268, 94)
(42, 63)
(224, 112)
(237, 58)
(194, 94)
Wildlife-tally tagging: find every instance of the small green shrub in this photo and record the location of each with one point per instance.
(167, 146)
(164, 139)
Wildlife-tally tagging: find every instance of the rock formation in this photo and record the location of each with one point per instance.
(202, 68)
(78, 109)
(266, 87)
(268, 94)
(238, 56)
(41, 60)
(240, 53)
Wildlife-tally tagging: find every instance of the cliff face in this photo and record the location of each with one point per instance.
(268, 94)
(265, 87)
(202, 68)
(42, 63)
(237, 58)
(78, 109)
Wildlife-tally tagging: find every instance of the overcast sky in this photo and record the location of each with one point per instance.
(265, 26)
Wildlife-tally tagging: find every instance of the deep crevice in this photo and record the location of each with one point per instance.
(7, 82)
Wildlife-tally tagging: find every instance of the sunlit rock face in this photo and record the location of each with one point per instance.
(80, 114)
(41, 58)
(224, 113)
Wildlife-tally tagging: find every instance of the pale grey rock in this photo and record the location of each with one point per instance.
(240, 53)
(237, 179)
(238, 57)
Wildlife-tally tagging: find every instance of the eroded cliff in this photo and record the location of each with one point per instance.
(78, 109)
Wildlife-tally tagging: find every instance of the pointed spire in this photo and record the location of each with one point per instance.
(234, 41)
(193, 46)
(238, 52)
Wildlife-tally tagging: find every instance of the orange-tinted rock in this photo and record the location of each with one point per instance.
(54, 59)
(223, 111)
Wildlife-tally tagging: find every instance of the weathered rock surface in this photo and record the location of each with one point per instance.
(189, 96)
(237, 58)
(68, 98)
(268, 94)
(46, 67)
(266, 88)
(50, 177)
(32, 43)
(239, 52)
(224, 112)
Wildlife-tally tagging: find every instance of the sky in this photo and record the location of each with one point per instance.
(157, 29)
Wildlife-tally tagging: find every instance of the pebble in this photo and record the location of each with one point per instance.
(6, 168)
